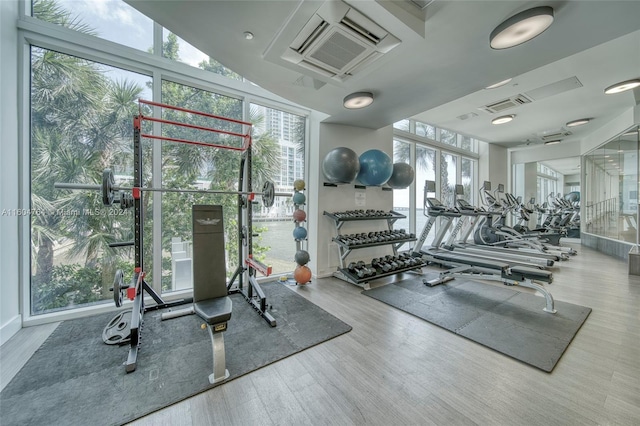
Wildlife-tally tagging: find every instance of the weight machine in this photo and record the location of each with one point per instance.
(243, 280)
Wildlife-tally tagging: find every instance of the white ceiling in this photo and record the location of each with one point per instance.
(442, 65)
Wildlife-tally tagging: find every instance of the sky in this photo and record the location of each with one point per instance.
(116, 21)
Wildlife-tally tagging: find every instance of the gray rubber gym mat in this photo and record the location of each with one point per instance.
(503, 319)
(76, 379)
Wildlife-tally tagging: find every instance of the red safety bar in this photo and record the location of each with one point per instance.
(259, 266)
(246, 137)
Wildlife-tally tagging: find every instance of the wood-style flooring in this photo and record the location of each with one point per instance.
(396, 369)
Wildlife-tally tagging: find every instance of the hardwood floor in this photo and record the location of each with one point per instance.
(393, 368)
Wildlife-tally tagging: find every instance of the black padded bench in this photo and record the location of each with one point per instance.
(520, 273)
(210, 300)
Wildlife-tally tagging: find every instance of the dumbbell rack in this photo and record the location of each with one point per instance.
(345, 249)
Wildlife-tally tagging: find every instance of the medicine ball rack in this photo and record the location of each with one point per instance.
(345, 248)
(245, 273)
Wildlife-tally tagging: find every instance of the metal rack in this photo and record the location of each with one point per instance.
(345, 250)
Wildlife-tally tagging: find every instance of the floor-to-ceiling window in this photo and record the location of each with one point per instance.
(81, 114)
(89, 64)
(442, 156)
(275, 245)
(402, 196)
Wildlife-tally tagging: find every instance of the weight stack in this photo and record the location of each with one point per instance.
(209, 270)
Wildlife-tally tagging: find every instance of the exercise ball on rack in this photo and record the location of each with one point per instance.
(298, 184)
(340, 165)
(402, 176)
(376, 168)
(302, 274)
(299, 233)
(299, 215)
(302, 257)
(299, 198)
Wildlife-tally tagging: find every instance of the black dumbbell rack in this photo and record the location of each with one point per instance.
(345, 275)
(345, 249)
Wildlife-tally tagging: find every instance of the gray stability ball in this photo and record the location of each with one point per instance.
(341, 165)
(402, 176)
(302, 257)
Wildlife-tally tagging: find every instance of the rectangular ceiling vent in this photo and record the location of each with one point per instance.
(555, 135)
(339, 41)
(498, 107)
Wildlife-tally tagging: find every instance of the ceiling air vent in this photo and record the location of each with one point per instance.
(555, 135)
(498, 107)
(339, 41)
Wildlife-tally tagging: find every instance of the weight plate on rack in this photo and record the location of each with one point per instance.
(108, 182)
(268, 194)
(118, 287)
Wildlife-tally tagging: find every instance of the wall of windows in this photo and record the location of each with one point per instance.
(547, 184)
(445, 157)
(85, 82)
(437, 135)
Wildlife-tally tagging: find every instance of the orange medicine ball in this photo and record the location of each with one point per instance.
(302, 274)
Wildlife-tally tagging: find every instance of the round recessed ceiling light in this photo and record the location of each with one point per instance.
(248, 35)
(554, 142)
(503, 119)
(521, 27)
(498, 84)
(358, 100)
(579, 122)
(622, 86)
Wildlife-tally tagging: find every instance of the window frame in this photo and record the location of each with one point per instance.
(35, 32)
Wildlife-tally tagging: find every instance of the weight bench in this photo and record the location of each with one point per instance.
(210, 297)
(491, 270)
(210, 300)
(216, 312)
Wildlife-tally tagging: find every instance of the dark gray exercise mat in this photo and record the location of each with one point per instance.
(76, 379)
(500, 318)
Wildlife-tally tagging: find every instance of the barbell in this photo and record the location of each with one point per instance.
(109, 188)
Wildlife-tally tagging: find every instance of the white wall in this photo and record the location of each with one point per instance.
(341, 198)
(493, 165)
(545, 152)
(10, 319)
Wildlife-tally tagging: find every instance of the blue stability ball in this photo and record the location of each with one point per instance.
(299, 198)
(299, 233)
(340, 165)
(376, 168)
(402, 176)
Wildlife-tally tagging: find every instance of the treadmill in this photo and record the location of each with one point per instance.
(462, 264)
(435, 209)
(467, 223)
